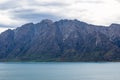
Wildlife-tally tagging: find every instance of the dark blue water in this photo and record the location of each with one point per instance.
(59, 71)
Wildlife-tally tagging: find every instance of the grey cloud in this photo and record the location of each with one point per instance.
(31, 15)
(9, 5)
(6, 26)
(36, 16)
(49, 4)
(22, 11)
(54, 4)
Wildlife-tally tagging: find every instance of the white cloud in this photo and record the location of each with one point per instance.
(3, 29)
(99, 12)
(6, 19)
(3, 1)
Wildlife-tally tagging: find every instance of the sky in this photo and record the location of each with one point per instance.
(14, 13)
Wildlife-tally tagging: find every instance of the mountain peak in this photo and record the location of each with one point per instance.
(114, 24)
(28, 24)
(48, 21)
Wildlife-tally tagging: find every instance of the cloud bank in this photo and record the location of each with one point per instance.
(14, 13)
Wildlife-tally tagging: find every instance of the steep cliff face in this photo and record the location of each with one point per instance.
(64, 40)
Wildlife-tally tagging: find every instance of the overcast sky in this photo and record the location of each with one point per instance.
(14, 13)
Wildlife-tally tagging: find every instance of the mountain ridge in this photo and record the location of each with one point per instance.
(63, 40)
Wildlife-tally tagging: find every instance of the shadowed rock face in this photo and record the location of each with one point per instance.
(64, 40)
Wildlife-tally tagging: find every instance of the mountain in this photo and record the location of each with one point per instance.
(64, 40)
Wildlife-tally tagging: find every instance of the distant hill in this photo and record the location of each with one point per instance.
(64, 40)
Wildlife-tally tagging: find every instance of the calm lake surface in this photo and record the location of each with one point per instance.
(59, 71)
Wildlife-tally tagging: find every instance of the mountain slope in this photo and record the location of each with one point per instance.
(64, 40)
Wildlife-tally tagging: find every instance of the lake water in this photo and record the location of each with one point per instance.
(59, 71)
